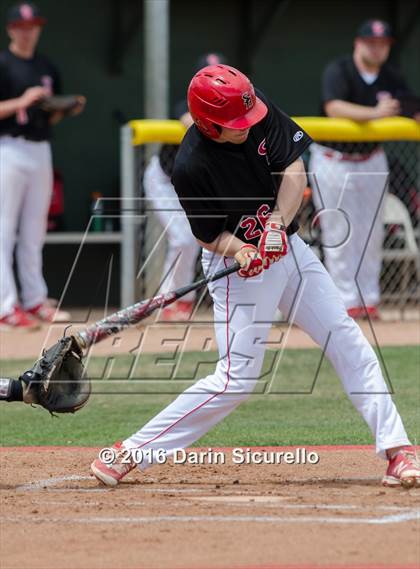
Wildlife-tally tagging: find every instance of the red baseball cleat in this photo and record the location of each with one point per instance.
(373, 312)
(403, 469)
(356, 312)
(111, 474)
(18, 319)
(362, 313)
(47, 313)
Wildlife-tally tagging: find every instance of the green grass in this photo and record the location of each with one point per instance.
(297, 410)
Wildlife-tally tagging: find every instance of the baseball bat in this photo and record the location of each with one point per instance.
(133, 314)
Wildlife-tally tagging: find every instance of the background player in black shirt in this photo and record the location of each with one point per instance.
(240, 179)
(182, 248)
(352, 177)
(26, 77)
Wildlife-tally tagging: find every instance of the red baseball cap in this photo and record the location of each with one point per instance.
(25, 13)
(375, 29)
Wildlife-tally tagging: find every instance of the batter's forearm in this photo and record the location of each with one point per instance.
(226, 244)
(10, 107)
(346, 110)
(290, 193)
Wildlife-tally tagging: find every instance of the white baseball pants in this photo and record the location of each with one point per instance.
(353, 240)
(25, 194)
(182, 247)
(243, 311)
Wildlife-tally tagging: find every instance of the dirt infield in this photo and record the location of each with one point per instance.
(54, 515)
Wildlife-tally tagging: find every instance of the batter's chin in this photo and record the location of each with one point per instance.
(240, 139)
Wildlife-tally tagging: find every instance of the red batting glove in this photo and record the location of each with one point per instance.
(273, 243)
(250, 261)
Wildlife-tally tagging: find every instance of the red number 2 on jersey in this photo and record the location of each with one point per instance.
(250, 223)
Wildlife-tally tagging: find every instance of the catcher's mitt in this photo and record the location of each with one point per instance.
(60, 103)
(58, 381)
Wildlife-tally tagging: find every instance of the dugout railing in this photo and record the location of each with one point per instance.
(143, 247)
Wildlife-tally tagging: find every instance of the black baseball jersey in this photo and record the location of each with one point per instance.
(342, 80)
(17, 75)
(168, 152)
(233, 187)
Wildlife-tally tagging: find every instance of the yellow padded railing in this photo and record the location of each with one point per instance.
(150, 130)
(319, 128)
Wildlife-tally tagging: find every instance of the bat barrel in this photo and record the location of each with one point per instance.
(122, 319)
(137, 312)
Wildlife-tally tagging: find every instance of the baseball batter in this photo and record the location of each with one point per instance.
(353, 177)
(26, 77)
(240, 180)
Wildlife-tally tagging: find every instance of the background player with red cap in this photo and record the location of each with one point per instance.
(240, 180)
(26, 77)
(353, 177)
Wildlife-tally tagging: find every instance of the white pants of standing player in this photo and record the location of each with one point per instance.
(301, 287)
(352, 254)
(182, 247)
(25, 193)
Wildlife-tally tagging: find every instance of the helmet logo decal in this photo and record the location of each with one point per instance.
(247, 99)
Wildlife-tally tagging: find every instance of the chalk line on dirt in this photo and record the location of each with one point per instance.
(174, 490)
(51, 483)
(391, 519)
(278, 501)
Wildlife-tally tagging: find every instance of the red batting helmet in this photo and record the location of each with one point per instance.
(221, 95)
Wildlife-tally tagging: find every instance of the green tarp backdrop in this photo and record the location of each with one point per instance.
(99, 49)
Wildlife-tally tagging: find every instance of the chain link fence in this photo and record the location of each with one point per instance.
(399, 214)
(399, 218)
